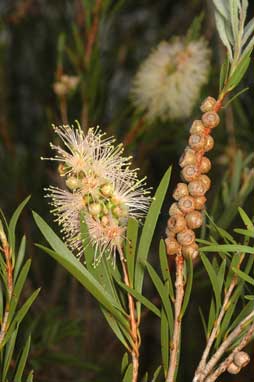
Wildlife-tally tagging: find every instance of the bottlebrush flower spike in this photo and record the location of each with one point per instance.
(168, 82)
(101, 187)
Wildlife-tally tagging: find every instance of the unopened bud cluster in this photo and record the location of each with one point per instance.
(186, 212)
(240, 360)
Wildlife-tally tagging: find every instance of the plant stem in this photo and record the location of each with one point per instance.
(133, 133)
(224, 365)
(228, 341)
(132, 317)
(199, 374)
(175, 347)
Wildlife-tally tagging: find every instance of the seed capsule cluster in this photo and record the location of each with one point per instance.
(240, 360)
(185, 215)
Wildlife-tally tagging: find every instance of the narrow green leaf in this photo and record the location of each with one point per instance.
(228, 248)
(1, 302)
(244, 232)
(13, 223)
(20, 257)
(234, 17)
(248, 31)
(156, 374)
(18, 288)
(148, 230)
(221, 8)
(212, 317)
(203, 321)
(221, 275)
(145, 378)
(236, 179)
(130, 246)
(21, 313)
(224, 73)
(249, 297)
(22, 361)
(139, 297)
(245, 218)
(8, 354)
(128, 374)
(243, 276)
(161, 289)
(30, 377)
(64, 256)
(213, 278)
(243, 313)
(189, 272)
(164, 341)
(165, 269)
(235, 97)
(239, 73)
(223, 33)
(125, 362)
(81, 274)
(229, 313)
(121, 333)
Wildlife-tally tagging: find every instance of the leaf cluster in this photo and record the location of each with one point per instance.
(12, 312)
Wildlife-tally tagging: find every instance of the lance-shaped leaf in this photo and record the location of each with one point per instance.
(13, 223)
(22, 361)
(148, 230)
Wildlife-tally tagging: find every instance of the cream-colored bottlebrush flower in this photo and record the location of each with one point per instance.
(100, 187)
(168, 82)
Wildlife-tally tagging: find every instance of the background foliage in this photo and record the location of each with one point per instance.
(38, 41)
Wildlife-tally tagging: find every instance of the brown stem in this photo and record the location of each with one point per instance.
(199, 374)
(225, 364)
(63, 109)
(132, 134)
(133, 322)
(174, 351)
(228, 341)
(93, 32)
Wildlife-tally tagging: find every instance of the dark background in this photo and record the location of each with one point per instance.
(70, 340)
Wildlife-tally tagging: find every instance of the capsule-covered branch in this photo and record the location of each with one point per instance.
(185, 215)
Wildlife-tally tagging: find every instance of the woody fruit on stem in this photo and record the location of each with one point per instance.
(186, 213)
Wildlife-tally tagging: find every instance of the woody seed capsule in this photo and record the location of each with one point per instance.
(197, 188)
(209, 143)
(205, 165)
(186, 237)
(188, 157)
(191, 251)
(189, 173)
(176, 223)
(241, 359)
(194, 219)
(174, 210)
(206, 181)
(200, 202)
(172, 247)
(211, 119)
(186, 204)
(180, 191)
(233, 369)
(169, 234)
(208, 104)
(197, 127)
(197, 141)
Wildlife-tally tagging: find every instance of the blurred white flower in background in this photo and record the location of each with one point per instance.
(168, 83)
